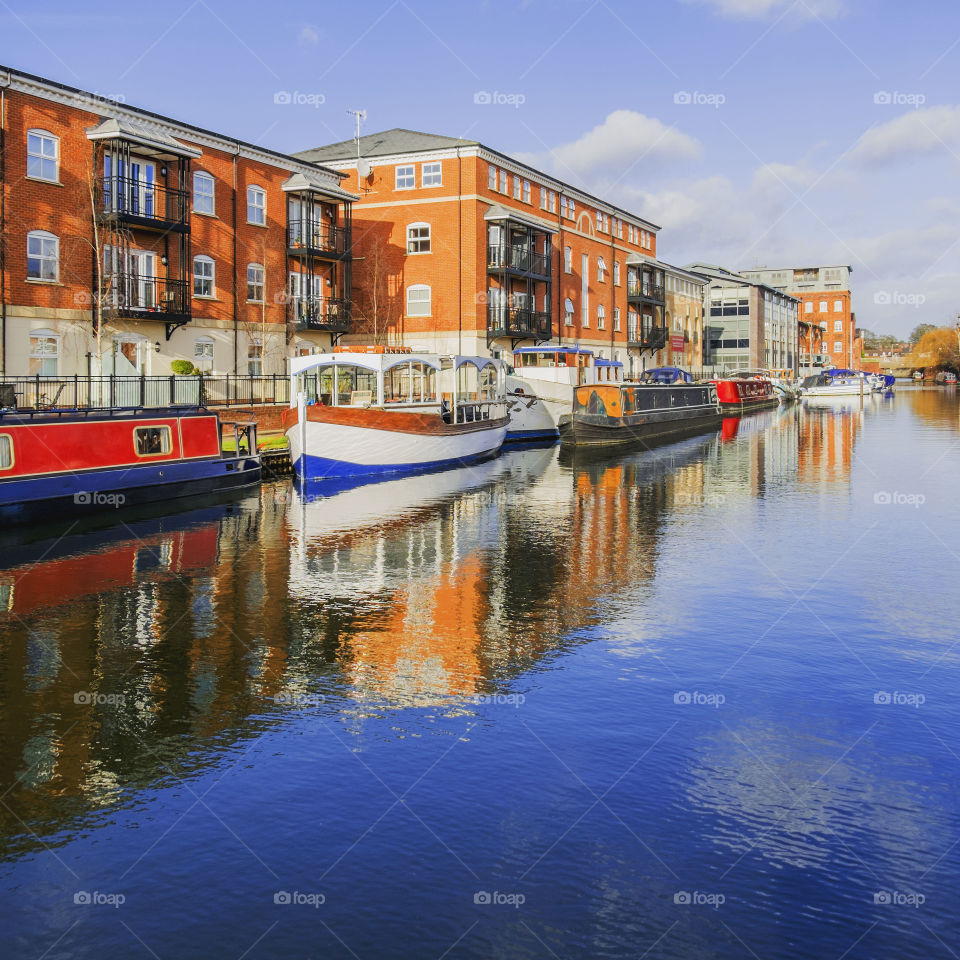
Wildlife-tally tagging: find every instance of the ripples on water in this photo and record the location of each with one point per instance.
(602, 688)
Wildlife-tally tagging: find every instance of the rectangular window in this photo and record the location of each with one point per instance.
(203, 355)
(504, 182)
(553, 202)
(255, 283)
(6, 451)
(517, 188)
(492, 177)
(543, 198)
(823, 306)
(431, 175)
(808, 306)
(838, 326)
(418, 238)
(567, 260)
(405, 178)
(255, 359)
(42, 156)
(257, 206)
(152, 441)
(568, 318)
(43, 256)
(418, 301)
(599, 220)
(563, 206)
(838, 306)
(203, 200)
(44, 351)
(616, 319)
(203, 277)
(616, 273)
(572, 207)
(838, 346)
(601, 270)
(601, 318)
(526, 191)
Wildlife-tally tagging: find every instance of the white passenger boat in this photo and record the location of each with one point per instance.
(368, 412)
(540, 389)
(825, 385)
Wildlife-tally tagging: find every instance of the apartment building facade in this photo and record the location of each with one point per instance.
(826, 311)
(463, 249)
(683, 318)
(747, 325)
(130, 240)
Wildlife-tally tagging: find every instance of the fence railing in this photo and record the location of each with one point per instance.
(95, 393)
(128, 197)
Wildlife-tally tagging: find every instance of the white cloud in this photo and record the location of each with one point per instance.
(308, 35)
(625, 140)
(761, 9)
(914, 134)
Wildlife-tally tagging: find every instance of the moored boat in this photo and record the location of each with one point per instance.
(745, 392)
(360, 413)
(606, 415)
(74, 462)
(945, 378)
(827, 385)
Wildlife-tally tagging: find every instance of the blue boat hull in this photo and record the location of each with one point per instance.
(80, 494)
(310, 467)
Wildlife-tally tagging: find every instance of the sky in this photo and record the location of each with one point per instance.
(755, 132)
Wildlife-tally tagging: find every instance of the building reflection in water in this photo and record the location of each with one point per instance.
(124, 662)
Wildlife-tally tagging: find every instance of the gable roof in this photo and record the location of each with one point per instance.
(387, 143)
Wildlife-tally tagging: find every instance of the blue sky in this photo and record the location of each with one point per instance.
(754, 131)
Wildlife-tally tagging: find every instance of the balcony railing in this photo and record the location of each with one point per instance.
(519, 259)
(326, 314)
(130, 295)
(518, 322)
(637, 289)
(145, 203)
(313, 236)
(653, 338)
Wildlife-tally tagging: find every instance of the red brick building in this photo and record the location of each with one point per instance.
(463, 249)
(130, 240)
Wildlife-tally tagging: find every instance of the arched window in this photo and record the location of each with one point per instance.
(43, 156)
(255, 277)
(203, 354)
(44, 353)
(203, 193)
(418, 238)
(204, 277)
(43, 256)
(418, 300)
(601, 269)
(256, 205)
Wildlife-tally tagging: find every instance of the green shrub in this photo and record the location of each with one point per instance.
(183, 368)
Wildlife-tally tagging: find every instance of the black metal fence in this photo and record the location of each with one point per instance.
(93, 393)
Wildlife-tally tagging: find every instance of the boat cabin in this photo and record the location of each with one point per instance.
(666, 375)
(570, 364)
(628, 399)
(398, 379)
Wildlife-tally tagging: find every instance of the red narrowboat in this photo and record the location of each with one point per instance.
(745, 394)
(73, 462)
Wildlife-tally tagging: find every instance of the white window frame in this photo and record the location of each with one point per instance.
(204, 357)
(256, 209)
(572, 208)
(823, 306)
(616, 319)
(601, 270)
(203, 175)
(553, 201)
(205, 261)
(428, 301)
(838, 326)
(504, 182)
(568, 259)
(420, 225)
(492, 177)
(517, 187)
(601, 317)
(808, 306)
(543, 198)
(838, 346)
(49, 253)
(838, 306)
(526, 191)
(262, 282)
(616, 273)
(431, 174)
(44, 356)
(42, 158)
(255, 357)
(405, 176)
(599, 220)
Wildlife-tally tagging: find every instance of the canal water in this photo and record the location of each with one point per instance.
(690, 703)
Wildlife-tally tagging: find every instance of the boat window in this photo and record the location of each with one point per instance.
(629, 401)
(6, 451)
(488, 383)
(152, 441)
(352, 379)
(423, 382)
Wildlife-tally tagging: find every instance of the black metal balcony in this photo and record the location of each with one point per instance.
(518, 259)
(651, 338)
(315, 237)
(324, 314)
(518, 323)
(146, 298)
(642, 290)
(143, 204)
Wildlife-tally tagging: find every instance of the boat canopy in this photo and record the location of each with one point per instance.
(666, 375)
(554, 348)
(478, 362)
(601, 362)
